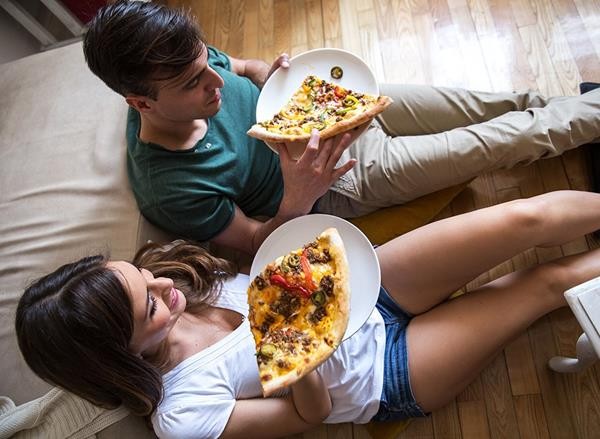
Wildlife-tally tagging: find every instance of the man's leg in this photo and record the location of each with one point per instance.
(423, 109)
(394, 170)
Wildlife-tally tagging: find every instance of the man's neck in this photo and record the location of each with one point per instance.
(174, 136)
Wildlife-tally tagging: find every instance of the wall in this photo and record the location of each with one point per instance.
(15, 41)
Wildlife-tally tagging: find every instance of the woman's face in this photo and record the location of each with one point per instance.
(156, 305)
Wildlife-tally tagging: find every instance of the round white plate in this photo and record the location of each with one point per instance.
(365, 277)
(282, 84)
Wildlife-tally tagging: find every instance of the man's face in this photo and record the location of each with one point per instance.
(194, 94)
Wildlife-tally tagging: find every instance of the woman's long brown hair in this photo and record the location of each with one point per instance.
(74, 325)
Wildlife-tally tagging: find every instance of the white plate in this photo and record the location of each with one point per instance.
(282, 84)
(365, 277)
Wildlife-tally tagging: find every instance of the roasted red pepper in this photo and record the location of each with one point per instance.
(279, 280)
(339, 92)
(307, 271)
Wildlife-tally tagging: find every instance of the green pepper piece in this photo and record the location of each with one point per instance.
(336, 72)
(268, 350)
(343, 110)
(293, 260)
(350, 101)
(318, 298)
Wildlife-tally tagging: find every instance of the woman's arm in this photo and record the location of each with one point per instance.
(256, 70)
(307, 406)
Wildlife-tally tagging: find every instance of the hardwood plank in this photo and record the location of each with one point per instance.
(498, 400)
(579, 42)
(552, 385)
(494, 49)
(473, 420)
(314, 28)
(521, 368)
(250, 28)
(433, 70)
(281, 34)
(523, 13)
(419, 428)
(444, 47)
(531, 417)
(446, 422)
(331, 23)
(205, 14)
(558, 47)
(220, 36)
(266, 27)
(539, 61)
(235, 43)
(512, 47)
(476, 72)
(589, 11)
(405, 65)
(349, 25)
(298, 28)
(339, 431)
(473, 392)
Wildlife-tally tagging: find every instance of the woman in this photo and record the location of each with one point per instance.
(167, 336)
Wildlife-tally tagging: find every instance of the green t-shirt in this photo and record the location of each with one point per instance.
(192, 193)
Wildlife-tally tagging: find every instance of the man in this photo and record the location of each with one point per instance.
(196, 173)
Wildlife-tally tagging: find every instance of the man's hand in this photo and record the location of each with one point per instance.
(309, 177)
(305, 180)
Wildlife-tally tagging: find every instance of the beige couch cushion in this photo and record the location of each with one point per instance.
(63, 185)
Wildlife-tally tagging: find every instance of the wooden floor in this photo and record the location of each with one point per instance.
(489, 45)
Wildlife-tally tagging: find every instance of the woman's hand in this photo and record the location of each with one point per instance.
(282, 61)
(256, 70)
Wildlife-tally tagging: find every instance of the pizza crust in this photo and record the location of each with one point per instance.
(259, 132)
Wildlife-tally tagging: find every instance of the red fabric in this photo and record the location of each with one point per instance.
(84, 9)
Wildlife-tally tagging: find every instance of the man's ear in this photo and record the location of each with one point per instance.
(140, 103)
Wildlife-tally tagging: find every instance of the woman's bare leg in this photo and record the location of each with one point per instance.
(450, 344)
(422, 268)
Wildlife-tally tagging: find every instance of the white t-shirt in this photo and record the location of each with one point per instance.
(200, 392)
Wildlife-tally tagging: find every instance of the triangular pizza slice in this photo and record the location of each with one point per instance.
(299, 308)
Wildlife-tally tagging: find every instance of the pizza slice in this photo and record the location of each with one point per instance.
(299, 307)
(330, 108)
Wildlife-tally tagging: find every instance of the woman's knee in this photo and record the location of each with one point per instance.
(526, 215)
(552, 279)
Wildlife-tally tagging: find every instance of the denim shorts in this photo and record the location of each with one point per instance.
(397, 399)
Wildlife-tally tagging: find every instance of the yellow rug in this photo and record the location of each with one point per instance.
(386, 430)
(386, 224)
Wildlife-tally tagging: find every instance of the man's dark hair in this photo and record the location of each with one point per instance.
(131, 44)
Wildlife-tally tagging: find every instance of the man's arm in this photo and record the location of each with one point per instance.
(256, 70)
(305, 181)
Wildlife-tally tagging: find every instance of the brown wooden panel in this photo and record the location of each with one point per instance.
(498, 400)
(420, 428)
(531, 417)
(556, 406)
(473, 420)
(446, 422)
(266, 27)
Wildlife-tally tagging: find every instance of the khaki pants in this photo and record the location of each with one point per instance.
(431, 138)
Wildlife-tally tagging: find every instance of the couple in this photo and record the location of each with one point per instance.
(192, 367)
